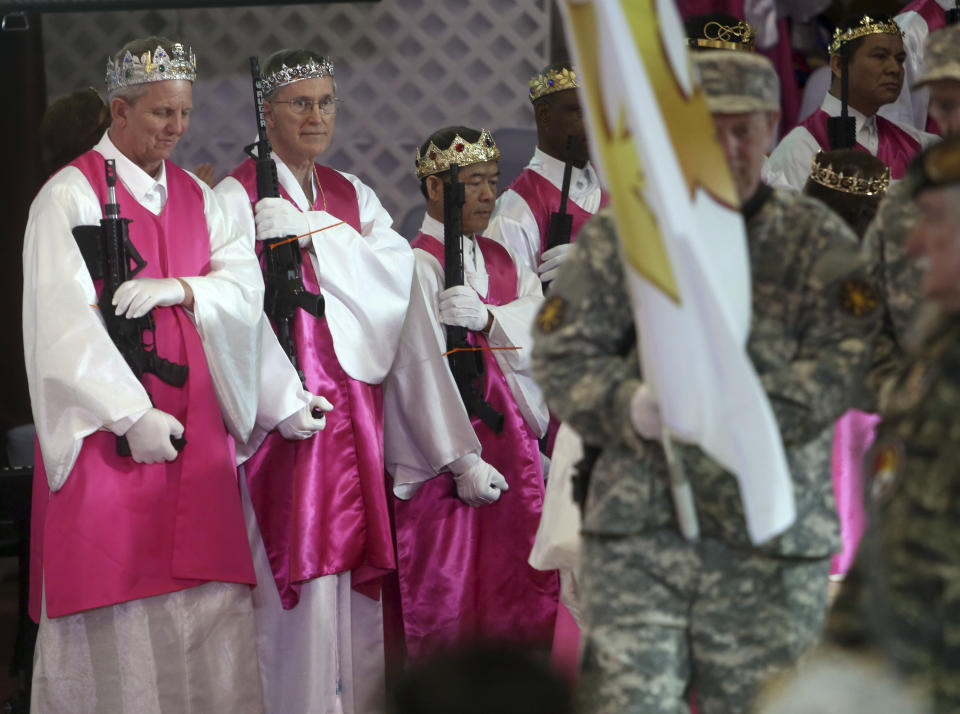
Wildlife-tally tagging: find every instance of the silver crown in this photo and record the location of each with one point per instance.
(288, 75)
(155, 66)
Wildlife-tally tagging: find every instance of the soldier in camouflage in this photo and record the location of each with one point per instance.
(902, 596)
(899, 277)
(665, 616)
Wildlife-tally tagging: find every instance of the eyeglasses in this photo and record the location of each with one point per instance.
(302, 105)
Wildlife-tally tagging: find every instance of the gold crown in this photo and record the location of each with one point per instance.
(838, 181)
(552, 81)
(460, 152)
(724, 37)
(867, 26)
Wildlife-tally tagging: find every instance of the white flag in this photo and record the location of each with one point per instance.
(683, 240)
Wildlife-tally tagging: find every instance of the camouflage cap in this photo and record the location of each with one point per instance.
(737, 82)
(942, 58)
(937, 165)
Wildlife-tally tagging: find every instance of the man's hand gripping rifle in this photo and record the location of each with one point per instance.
(466, 364)
(108, 253)
(282, 259)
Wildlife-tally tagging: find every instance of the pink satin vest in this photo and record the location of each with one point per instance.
(896, 148)
(119, 530)
(544, 198)
(463, 571)
(321, 503)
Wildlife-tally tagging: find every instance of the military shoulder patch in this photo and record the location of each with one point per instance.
(885, 461)
(858, 298)
(551, 314)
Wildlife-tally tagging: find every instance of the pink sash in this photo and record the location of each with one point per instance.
(896, 148)
(463, 571)
(852, 437)
(544, 198)
(321, 502)
(119, 530)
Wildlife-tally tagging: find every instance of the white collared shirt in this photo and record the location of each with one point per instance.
(788, 166)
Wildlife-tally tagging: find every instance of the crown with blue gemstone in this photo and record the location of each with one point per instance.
(288, 75)
(552, 81)
(460, 152)
(155, 66)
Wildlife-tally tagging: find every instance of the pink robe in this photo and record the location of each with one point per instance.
(852, 437)
(321, 503)
(896, 148)
(119, 530)
(463, 571)
(936, 18)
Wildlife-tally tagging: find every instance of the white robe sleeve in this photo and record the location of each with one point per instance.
(426, 426)
(79, 383)
(788, 166)
(514, 226)
(365, 278)
(280, 390)
(228, 302)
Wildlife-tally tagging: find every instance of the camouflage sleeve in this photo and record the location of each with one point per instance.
(838, 315)
(582, 357)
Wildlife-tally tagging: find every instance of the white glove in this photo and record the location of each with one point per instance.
(461, 306)
(301, 424)
(139, 296)
(277, 217)
(480, 484)
(645, 414)
(149, 437)
(551, 260)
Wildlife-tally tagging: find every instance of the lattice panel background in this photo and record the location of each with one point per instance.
(404, 68)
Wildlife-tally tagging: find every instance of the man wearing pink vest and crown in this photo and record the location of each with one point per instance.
(316, 493)
(140, 567)
(469, 494)
(522, 217)
(872, 48)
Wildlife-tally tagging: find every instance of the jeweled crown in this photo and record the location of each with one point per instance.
(288, 75)
(552, 81)
(155, 66)
(726, 37)
(866, 26)
(460, 152)
(825, 175)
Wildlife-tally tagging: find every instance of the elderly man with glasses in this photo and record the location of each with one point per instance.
(314, 493)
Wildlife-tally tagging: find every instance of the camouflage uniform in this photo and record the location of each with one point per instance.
(720, 615)
(899, 278)
(902, 596)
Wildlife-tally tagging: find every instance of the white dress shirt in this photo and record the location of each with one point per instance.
(788, 166)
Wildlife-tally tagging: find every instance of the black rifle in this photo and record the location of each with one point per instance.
(466, 364)
(282, 259)
(561, 222)
(108, 253)
(953, 15)
(842, 130)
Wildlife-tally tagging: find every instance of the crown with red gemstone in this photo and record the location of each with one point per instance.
(155, 66)
(460, 152)
(554, 80)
